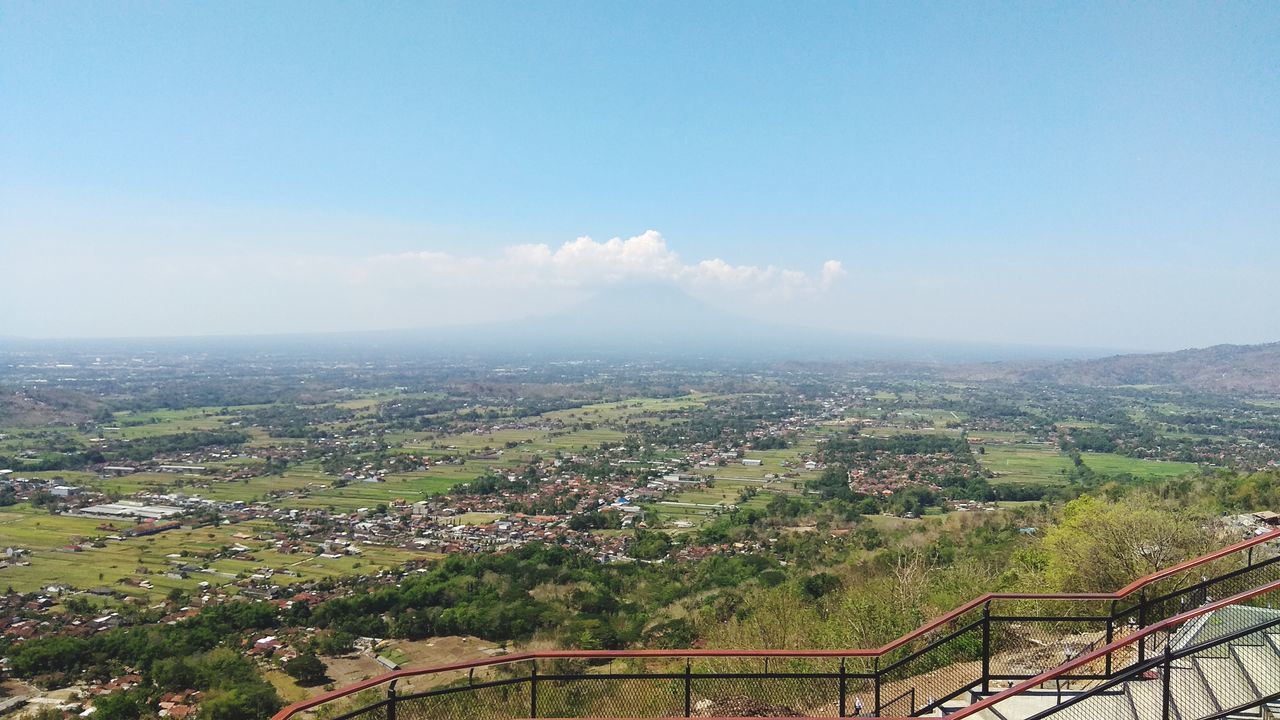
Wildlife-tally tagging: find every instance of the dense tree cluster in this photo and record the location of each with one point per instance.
(194, 653)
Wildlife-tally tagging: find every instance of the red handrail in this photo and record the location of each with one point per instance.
(1107, 649)
(1069, 666)
(934, 624)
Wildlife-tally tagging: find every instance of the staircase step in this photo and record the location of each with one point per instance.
(1108, 705)
(1262, 664)
(1190, 695)
(1147, 697)
(1019, 707)
(1226, 681)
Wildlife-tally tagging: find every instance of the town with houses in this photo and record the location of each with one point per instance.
(303, 503)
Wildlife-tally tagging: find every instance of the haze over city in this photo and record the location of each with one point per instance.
(1088, 175)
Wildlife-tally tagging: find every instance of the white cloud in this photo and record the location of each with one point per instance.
(832, 272)
(239, 290)
(585, 263)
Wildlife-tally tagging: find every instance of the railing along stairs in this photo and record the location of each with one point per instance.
(1002, 656)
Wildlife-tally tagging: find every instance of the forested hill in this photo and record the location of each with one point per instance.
(1221, 368)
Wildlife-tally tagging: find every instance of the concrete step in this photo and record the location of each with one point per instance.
(1108, 705)
(1111, 705)
(1147, 697)
(1191, 698)
(1020, 707)
(1274, 639)
(1261, 664)
(1227, 681)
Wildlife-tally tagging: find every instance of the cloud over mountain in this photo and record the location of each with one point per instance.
(587, 263)
(246, 290)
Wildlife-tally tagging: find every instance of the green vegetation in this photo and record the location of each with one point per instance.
(781, 506)
(156, 558)
(186, 655)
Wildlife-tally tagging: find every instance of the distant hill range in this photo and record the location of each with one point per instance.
(1247, 369)
(644, 320)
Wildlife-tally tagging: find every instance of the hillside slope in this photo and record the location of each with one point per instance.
(47, 406)
(1248, 369)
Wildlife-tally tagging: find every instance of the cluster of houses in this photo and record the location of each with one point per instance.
(884, 473)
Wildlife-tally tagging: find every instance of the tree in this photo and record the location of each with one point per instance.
(1102, 546)
(307, 669)
(128, 705)
(335, 642)
(647, 545)
(173, 674)
(820, 584)
(257, 700)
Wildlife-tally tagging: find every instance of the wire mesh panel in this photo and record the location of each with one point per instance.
(1237, 655)
(859, 697)
(1209, 588)
(760, 687)
(611, 696)
(1025, 648)
(501, 702)
(1031, 635)
(947, 667)
(1208, 666)
(901, 705)
(377, 711)
(364, 705)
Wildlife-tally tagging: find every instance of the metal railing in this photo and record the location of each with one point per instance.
(1195, 667)
(996, 638)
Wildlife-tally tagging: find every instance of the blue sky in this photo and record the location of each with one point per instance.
(1066, 174)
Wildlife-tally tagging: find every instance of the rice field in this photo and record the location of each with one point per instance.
(150, 558)
(1045, 464)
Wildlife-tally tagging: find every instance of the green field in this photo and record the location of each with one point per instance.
(1027, 463)
(163, 422)
(1113, 464)
(46, 537)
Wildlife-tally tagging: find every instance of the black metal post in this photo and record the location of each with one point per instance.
(533, 690)
(1167, 703)
(1111, 635)
(1142, 622)
(391, 701)
(1249, 555)
(986, 647)
(877, 679)
(688, 688)
(843, 688)
(913, 699)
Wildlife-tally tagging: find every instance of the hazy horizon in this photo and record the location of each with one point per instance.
(638, 320)
(1086, 176)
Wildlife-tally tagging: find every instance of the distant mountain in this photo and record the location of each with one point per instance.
(1249, 369)
(629, 320)
(663, 320)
